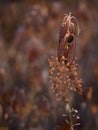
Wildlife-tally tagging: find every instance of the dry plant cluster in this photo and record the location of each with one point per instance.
(64, 76)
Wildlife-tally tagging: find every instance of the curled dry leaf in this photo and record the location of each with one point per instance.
(67, 43)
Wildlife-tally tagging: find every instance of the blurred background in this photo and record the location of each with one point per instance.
(29, 31)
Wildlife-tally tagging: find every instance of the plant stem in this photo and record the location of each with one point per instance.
(70, 113)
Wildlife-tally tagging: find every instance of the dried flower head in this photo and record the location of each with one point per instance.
(63, 69)
(63, 78)
(68, 32)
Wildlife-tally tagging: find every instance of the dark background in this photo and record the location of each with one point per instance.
(29, 32)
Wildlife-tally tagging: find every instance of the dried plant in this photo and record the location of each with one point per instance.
(63, 74)
(64, 78)
(67, 38)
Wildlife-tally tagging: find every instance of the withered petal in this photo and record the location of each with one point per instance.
(63, 31)
(71, 52)
(61, 47)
